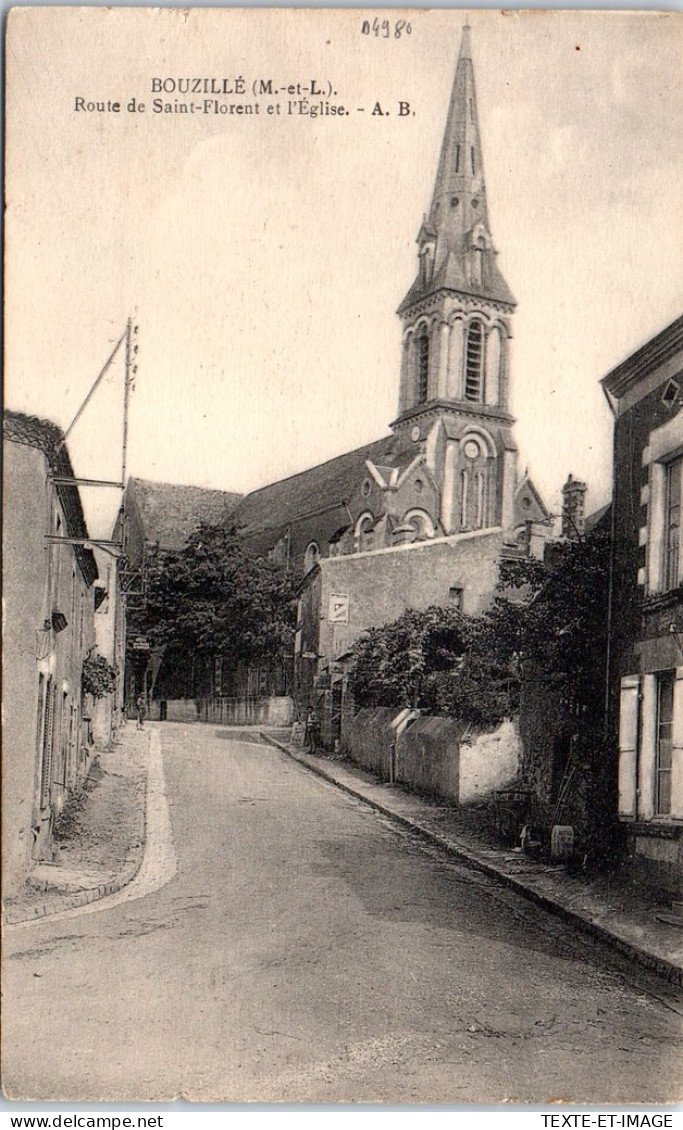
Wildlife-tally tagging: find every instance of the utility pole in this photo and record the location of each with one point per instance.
(128, 382)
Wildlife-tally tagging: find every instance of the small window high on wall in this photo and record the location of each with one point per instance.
(311, 556)
(474, 362)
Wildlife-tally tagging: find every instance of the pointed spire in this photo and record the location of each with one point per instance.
(455, 232)
(465, 43)
(459, 200)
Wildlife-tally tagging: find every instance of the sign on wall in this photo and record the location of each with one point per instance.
(339, 608)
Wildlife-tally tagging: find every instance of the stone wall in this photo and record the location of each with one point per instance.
(438, 756)
(273, 711)
(377, 587)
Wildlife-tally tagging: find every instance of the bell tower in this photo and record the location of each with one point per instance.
(453, 398)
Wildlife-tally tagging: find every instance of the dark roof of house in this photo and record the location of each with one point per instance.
(171, 512)
(313, 498)
(49, 438)
(659, 349)
(596, 518)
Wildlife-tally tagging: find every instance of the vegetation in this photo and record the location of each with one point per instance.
(98, 677)
(214, 598)
(549, 614)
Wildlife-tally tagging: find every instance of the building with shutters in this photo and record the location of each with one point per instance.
(646, 619)
(49, 594)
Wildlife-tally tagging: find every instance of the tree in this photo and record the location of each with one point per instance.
(557, 618)
(214, 598)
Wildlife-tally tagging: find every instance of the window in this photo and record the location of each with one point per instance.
(474, 362)
(474, 166)
(421, 523)
(480, 499)
(423, 367)
(670, 394)
(464, 493)
(474, 479)
(457, 158)
(365, 534)
(672, 519)
(311, 556)
(665, 711)
(455, 597)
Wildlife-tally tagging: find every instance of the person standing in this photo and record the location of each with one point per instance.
(141, 709)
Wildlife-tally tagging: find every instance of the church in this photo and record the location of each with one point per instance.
(423, 515)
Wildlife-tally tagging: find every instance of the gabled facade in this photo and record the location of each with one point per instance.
(646, 628)
(49, 592)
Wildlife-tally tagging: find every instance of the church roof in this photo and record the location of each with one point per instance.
(313, 499)
(171, 512)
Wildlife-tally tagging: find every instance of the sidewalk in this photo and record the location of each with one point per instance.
(604, 907)
(102, 843)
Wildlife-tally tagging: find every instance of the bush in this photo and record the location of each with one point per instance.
(99, 677)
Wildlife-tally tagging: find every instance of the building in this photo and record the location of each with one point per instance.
(49, 608)
(422, 515)
(646, 622)
(110, 639)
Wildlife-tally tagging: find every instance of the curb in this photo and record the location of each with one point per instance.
(666, 969)
(21, 916)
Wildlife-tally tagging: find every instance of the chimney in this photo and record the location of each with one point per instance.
(573, 516)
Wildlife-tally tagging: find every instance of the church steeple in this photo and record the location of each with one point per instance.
(453, 400)
(456, 250)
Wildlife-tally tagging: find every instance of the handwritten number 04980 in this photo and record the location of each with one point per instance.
(383, 28)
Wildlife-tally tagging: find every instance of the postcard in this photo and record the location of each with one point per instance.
(343, 649)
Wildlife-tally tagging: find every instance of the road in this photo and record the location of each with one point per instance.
(308, 950)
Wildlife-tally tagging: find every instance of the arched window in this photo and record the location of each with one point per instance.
(464, 498)
(423, 367)
(474, 362)
(311, 556)
(365, 533)
(421, 523)
(479, 499)
(474, 479)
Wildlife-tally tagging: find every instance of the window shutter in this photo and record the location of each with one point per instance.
(48, 733)
(628, 745)
(677, 749)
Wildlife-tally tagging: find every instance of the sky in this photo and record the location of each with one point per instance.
(263, 257)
